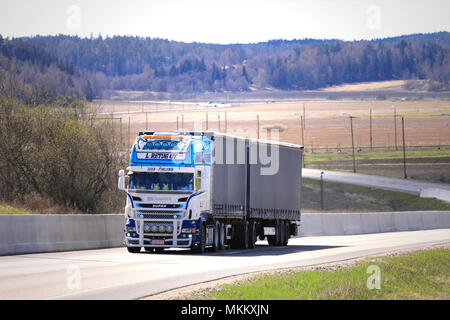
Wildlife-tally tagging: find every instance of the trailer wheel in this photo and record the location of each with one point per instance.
(283, 234)
(252, 234)
(244, 236)
(221, 236)
(134, 249)
(286, 233)
(240, 235)
(275, 240)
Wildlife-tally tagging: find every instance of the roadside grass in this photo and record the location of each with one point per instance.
(6, 209)
(416, 276)
(341, 197)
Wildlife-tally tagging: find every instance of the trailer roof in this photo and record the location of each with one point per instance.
(214, 134)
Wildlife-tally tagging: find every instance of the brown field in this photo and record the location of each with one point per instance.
(427, 122)
(379, 85)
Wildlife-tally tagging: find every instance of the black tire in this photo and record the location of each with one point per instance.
(216, 233)
(287, 233)
(282, 233)
(134, 249)
(222, 236)
(251, 234)
(272, 240)
(279, 233)
(235, 230)
(243, 242)
(200, 249)
(275, 240)
(240, 235)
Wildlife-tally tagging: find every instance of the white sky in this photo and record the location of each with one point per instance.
(225, 21)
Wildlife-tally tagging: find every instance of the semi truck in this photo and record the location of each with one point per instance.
(210, 191)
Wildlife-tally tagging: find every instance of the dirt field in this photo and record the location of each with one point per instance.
(327, 123)
(379, 85)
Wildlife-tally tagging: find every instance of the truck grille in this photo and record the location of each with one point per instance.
(158, 216)
(161, 214)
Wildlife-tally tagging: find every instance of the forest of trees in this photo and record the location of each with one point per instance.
(44, 67)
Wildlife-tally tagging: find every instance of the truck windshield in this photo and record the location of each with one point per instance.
(156, 181)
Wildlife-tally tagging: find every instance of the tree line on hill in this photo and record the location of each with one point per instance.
(42, 68)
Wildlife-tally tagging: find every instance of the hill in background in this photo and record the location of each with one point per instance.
(43, 67)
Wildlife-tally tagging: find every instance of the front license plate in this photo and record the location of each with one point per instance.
(157, 241)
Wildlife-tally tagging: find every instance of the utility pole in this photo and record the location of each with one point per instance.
(226, 124)
(182, 121)
(121, 138)
(404, 152)
(321, 190)
(257, 125)
(177, 124)
(371, 145)
(112, 124)
(146, 121)
(303, 133)
(304, 116)
(353, 144)
(218, 121)
(395, 128)
(206, 121)
(129, 129)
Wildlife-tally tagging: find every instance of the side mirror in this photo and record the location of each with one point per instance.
(121, 182)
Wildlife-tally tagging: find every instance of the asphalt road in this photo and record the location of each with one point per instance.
(117, 274)
(394, 184)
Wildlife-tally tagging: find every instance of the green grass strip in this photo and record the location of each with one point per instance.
(420, 275)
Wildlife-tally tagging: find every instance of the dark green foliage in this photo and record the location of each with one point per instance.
(85, 67)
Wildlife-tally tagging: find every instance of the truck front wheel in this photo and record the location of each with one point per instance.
(200, 247)
(134, 249)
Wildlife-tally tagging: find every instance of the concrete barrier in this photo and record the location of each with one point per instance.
(21, 234)
(324, 224)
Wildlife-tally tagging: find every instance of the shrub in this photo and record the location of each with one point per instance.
(61, 154)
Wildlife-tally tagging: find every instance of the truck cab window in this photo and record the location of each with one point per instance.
(156, 181)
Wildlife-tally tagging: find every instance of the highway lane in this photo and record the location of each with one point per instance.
(117, 274)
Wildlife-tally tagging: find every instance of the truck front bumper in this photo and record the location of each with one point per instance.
(146, 235)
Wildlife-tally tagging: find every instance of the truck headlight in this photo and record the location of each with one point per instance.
(188, 230)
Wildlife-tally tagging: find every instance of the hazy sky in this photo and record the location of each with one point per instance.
(225, 21)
